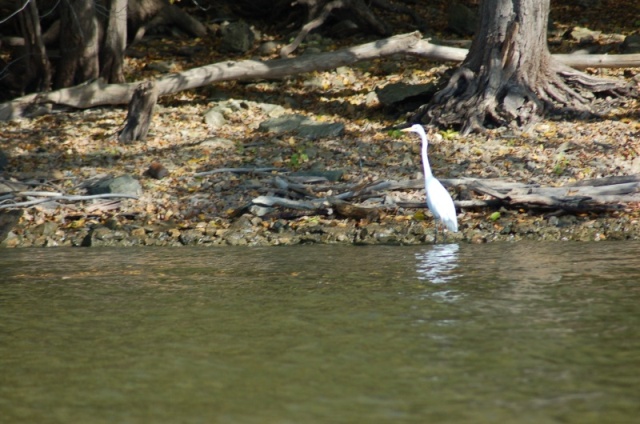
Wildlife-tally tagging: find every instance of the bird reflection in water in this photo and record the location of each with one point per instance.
(438, 265)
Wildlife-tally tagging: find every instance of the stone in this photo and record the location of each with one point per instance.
(10, 240)
(282, 124)
(8, 222)
(371, 100)
(138, 232)
(273, 111)
(112, 224)
(46, 229)
(190, 237)
(313, 130)
(123, 184)
(218, 143)
(103, 236)
(302, 126)
(237, 37)
(399, 92)
(268, 48)
(214, 118)
(235, 239)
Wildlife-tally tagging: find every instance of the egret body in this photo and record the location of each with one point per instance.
(439, 200)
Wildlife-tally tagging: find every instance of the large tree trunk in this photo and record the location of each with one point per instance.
(79, 41)
(509, 76)
(115, 42)
(38, 68)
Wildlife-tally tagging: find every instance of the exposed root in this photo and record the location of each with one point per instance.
(475, 101)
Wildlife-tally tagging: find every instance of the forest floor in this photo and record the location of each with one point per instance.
(61, 152)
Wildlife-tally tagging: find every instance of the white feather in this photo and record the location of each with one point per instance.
(439, 200)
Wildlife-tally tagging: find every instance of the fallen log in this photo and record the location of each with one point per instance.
(98, 93)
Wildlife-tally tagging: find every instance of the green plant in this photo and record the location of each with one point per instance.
(561, 164)
(449, 134)
(394, 133)
(298, 159)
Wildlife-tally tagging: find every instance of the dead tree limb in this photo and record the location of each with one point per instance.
(54, 197)
(99, 93)
(598, 197)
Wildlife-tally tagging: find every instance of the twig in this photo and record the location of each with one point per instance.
(67, 198)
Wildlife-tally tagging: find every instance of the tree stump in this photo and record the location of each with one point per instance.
(140, 113)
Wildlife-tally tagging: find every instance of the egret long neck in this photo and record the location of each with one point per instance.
(425, 161)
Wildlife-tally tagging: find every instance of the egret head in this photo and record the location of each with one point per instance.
(418, 129)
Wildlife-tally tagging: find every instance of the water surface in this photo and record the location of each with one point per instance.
(508, 333)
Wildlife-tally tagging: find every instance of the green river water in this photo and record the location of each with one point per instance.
(500, 333)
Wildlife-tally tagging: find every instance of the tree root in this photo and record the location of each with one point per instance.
(475, 101)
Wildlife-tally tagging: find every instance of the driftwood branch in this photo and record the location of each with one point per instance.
(99, 93)
(601, 195)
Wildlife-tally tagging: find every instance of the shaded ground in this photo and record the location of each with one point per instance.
(65, 150)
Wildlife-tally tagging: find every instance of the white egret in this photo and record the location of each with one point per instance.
(439, 200)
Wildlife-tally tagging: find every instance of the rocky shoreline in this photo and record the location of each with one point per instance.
(253, 231)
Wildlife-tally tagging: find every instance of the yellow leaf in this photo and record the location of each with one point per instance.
(78, 223)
